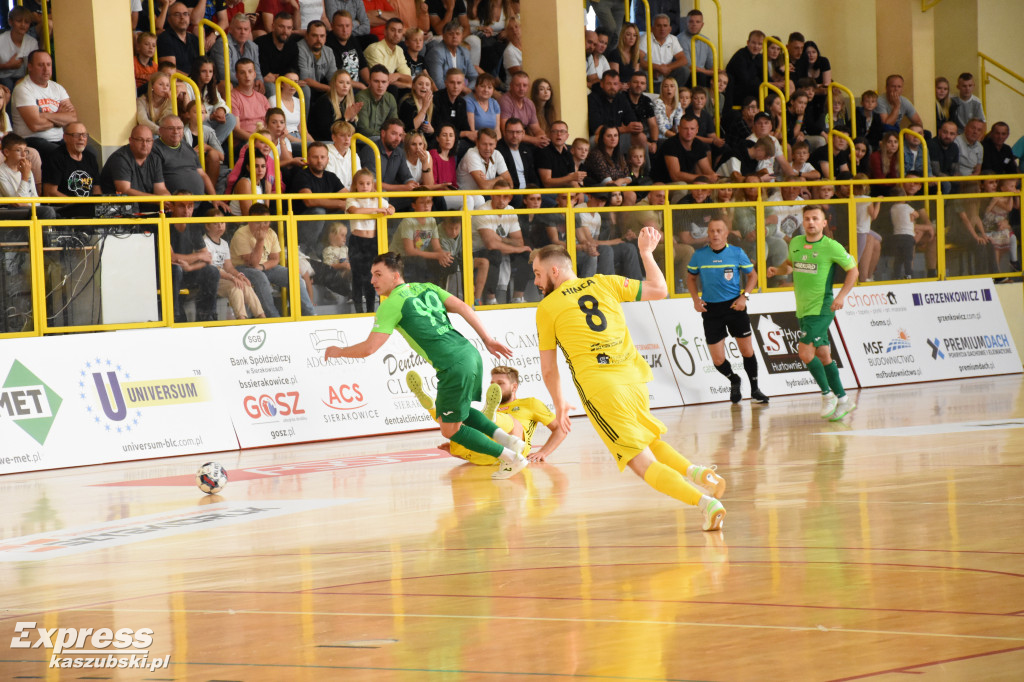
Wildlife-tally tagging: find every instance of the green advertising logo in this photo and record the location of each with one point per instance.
(28, 402)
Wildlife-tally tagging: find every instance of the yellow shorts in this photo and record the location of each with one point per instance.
(622, 417)
(504, 423)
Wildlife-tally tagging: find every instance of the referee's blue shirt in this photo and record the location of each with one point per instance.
(722, 273)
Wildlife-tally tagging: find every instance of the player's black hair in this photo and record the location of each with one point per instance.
(392, 261)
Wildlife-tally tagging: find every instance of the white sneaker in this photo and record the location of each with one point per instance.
(714, 515)
(844, 406)
(519, 299)
(828, 404)
(508, 470)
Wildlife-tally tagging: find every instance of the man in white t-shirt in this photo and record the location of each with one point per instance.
(667, 56)
(499, 239)
(41, 107)
(16, 46)
(481, 168)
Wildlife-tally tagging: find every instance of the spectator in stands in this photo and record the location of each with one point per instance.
(16, 179)
(482, 110)
(340, 159)
(232, 284)
(497, 236)
(309, 10)
(389, 53)
(512, 59)
(16, 45)
(913, 154)
(240, 46)
(481, 168)
(418, 242)
(605, 164)
(894, 107)
(944, 154)
(72, 170)
(348, 55)
(487, 32)
(291, 110)
(969, 144)
(745, 70)
(945, 106)
(41, 107)
(669, 8)
(450, 109)
(516, 104)
(417, 159)
(144, 62)
(256, 253)
(316, 64)
(414, 49)
(214, 109)
(181, 167)
(776, 65)
(606, 105)
(555, 165)
(997, 154)
(378, 105)
(795, 47)
(245, 184)
(445, 164)
(597, 64)
(338, 105)
(968, 105)
(394, 171)
(249, 104)
(703, 61)
(442, 13)
(869, 122)
(683, 158)
(542, 94)
(133, 169)
(413, 13)
(417, 108)
(450, 54)
(275, 127)
(356, 11)
(278, 49)
(316, 179)
(156, 103)
(520, 158)
(813, 65)
(176, 44)
(212, 151)
(191, 264)
(643, 110)
(884, 163)
(667, 56)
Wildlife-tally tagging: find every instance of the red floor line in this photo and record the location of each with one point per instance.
(908, 668)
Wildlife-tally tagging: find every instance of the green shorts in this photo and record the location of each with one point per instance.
(457, 387)
(814, 329)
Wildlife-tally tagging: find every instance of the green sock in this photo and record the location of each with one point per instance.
(477, 420)
(817, 371)
(834, 382)
(471, 439)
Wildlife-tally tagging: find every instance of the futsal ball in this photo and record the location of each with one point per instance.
(211, 478)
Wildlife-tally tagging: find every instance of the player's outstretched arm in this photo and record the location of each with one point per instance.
(456, 305)
(655, 288)
(558, 434)
(849, 283)
(780, 270)
(360, 350)
(549, 370)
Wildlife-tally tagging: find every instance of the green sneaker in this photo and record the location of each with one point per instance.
(708, 478)
(714, 515)
(492, 398)
(844, 406)
(415, 383)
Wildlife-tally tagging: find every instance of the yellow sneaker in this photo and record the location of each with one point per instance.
(415, 383)
(714, 515)
(492, 398)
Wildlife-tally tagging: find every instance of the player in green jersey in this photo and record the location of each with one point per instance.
(419, 311)
(813, 258)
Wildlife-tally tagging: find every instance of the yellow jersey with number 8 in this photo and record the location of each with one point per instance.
(584, 317)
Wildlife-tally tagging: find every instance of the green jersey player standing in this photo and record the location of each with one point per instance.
(813, 258)
(419, 312)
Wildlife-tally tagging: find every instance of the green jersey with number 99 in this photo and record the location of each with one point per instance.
(417, 311)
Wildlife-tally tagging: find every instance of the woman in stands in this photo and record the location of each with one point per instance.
(156, 103)
(244, 184)
(776, 65)
(482, 110)
(542, 94)
(625, 58)
(444, 164)
(813, 65)
(605, 164)
(885, 163)
(668, 110)
(241, 167)
(417, 159)
(339, 105)
(417, 108)
(945, 106)
(215, 109)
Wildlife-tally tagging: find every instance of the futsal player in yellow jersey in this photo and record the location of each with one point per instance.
(517, 416)
(584, 317)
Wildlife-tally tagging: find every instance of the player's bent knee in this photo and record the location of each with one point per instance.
(449, 429)
(641, 463)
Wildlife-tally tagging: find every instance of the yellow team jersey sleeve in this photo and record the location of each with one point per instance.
(528, 412)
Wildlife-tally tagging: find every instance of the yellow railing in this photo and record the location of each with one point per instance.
(764, 67)
(718, 17)
(851, 110)
(785, 128)
(302, 107)
(714, 77)
(45, 39)
(986, 76)
(924, 158)
(152, 29)
(178, 76)
(227, 71)
(160, 222)
(831, 135)
(650, 62)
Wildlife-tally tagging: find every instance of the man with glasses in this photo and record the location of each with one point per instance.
(555, 165)
(72, 170)
(176, 44)
(133, 169)
(520, 158)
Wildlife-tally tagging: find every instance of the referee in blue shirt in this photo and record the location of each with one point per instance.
(720, 269)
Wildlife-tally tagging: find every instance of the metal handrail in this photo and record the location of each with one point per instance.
(714, 79)
(302, 107)
(764, 65)
(718, 24)
(178, 76)
(924, 160)
(227, 70)
(831, 115)
(152, 29)
(986, 76)
(650, 64)
(785, 128)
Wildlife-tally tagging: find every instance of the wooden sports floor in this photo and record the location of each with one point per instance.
(887, 548)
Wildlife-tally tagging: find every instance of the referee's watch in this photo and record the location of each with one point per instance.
(746, 295)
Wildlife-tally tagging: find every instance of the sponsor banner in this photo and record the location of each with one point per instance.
(86, 538)
(775, 331)
(95, 398)
(927, 331)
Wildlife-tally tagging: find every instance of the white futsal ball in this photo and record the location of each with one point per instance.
(211, 478)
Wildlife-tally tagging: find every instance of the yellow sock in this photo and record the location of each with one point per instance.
(669, 482)
(667, 455)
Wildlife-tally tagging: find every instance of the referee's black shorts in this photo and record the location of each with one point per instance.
(720, 321)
